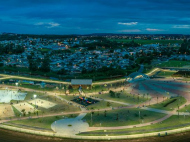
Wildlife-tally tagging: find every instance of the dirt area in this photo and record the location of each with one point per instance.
(6, 110)
(25, 106)
(42, 103)
(10, 136)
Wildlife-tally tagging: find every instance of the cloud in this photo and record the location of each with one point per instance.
(153, 30)
(128, 24)
(38, 24)
(54, 16)
(130, 31)
(47, 24)
(181, 26)
(52, 25)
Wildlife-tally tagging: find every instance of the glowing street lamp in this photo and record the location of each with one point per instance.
(35, 99)
(16, 85)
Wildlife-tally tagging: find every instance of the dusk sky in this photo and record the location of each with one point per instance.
(95, 16)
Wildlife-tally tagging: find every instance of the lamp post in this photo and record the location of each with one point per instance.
(16, 85)
(35, 99)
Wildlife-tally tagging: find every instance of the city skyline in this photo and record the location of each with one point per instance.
(84, 17)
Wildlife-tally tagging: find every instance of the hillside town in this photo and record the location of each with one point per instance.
(68, 54)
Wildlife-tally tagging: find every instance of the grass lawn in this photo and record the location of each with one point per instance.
(44, 122)
(170, 104)
(30, 95)
(171, 123)
(103, 105)
(185, 109)
(35, 87)
(166, 73)
(68, 97)
(16, 112)
(125, 117)
(174, 63)
(149, 41)
(124, 97)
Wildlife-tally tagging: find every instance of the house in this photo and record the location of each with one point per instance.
(81, 82)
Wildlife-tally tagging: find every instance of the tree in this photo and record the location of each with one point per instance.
(1, 64)
(126, 56)
(23, 112)
(108, 104)
(45, 67)
(118, 95)
(61, 72)
(70, 87)
(29, 113)
(33, 66)
(112, 93)
(105, 113)
(117, 118)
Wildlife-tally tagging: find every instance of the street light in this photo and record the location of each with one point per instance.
(16, 85)
(35, 99)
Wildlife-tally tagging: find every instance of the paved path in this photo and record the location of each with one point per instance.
(5, 76)
(107, 100)
(60, 125)
(70, 126)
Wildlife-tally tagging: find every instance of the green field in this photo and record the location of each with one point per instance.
(42, 122)
(166, 73)
(149, 41)
(170, 104)
(174, 63)
(103, 105)
(185, 109)
(16, 112)
(125, 98)
(125, 117)
(171, 123)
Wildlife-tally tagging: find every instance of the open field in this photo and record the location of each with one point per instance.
(185, 109)
(124, 117)
(171, 123)
(24, 106)
(42, 122)
(170, 104)
(6, 110)
(42, 103)
(125, 98)
(166, 73)
(174, 63)
(149, 41)
(103, 105)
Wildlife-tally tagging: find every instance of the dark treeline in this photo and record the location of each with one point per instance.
(185, 47)
(25, 36)
(11, 49)
(104, 43)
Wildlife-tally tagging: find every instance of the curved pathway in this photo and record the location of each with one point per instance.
(70, 126)
(59, 126)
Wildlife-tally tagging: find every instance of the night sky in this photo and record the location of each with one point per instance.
(95, 16)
